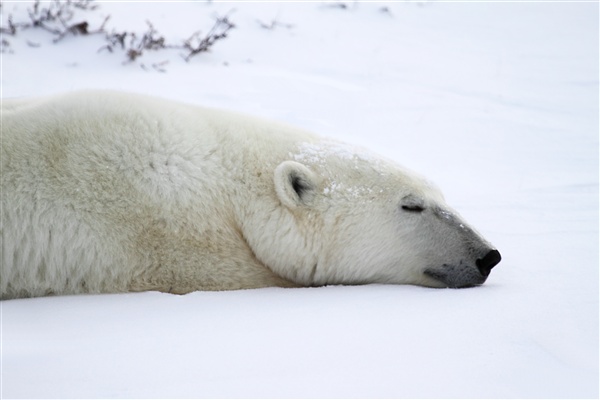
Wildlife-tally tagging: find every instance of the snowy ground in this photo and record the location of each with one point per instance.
(496, 102)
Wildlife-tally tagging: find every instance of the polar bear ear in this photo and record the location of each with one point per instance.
(295, 184)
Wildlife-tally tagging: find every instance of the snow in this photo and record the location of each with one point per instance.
(495, 102)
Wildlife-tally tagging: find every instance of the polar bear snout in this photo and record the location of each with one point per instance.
(465, 274)
(489, 261)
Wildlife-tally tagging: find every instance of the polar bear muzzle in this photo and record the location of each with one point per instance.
(463, 274)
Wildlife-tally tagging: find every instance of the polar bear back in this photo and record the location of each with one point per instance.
(100, 177)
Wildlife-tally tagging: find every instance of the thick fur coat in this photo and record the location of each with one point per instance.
(106, 192)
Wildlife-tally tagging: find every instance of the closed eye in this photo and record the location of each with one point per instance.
(413, 208)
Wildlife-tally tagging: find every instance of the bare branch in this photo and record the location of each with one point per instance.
(196, 44)
(274, 24)
(58, 17)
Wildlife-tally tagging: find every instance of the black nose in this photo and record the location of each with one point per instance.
(485, 264)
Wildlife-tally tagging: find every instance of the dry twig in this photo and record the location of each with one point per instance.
(197, 44)
(56, 17)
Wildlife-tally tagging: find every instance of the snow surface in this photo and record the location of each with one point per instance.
(495, 102)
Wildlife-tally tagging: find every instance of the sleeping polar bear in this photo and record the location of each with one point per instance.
(105, 192)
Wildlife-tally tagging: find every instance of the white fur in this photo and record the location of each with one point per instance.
(110, 192)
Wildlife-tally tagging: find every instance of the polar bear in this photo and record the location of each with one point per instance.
(106, 192)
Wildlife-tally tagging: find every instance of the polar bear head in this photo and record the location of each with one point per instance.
(344, 216)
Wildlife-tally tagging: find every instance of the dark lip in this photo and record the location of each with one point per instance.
(451, 283)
